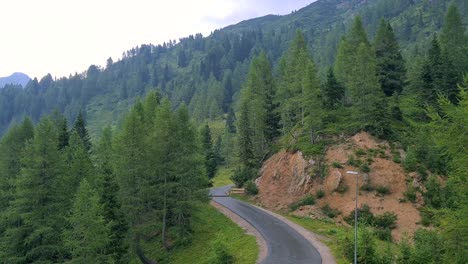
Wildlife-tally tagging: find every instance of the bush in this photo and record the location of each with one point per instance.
(382, 190)
(410, 194)
(364, 168)
(242, 175)
(307, 200)
(365, 216)
(384, 234)
(360, 152)
(221, 254)
(411, 162)
(251, 188)
(386, 220)
(336, 164)
(367, 187)
(330, 212)
(342, 188)
(320, 194)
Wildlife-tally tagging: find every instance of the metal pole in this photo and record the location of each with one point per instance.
(356, 221)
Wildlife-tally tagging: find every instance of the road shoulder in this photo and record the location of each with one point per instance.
(263, 249)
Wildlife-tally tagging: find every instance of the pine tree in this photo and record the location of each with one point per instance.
(312, 102)
(111, 207)
(231, 121)
(347, 54)
(244, 137)
(79, 166)
(38, 208)
(333, 91)
(390, 64)
(454, 42)
(210, 158)
(88, 235)
(80, 128)
(432, 74)
(258, 95)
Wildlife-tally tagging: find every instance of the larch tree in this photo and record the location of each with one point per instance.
(87, 237)
(38, 209)
(210, 157)
(80, 128)
(390, 63)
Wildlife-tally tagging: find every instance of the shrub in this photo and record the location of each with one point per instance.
(396, 159)
(242, 175)
(360, 152)
(364, 168)
(320, 194)
(330, 212)
(221, 254)
(386, 220)
(410, 194)
(384, 234)
(411, 162)
(307, 200)
(382, 190)
(251, 188)
(365, 216)
(367, 187)
(336, 164)
(342, 188)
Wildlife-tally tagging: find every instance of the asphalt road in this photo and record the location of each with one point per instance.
(285, 245)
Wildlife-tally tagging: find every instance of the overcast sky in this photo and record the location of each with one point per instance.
(66, 36)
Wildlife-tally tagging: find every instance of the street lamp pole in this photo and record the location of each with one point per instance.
(355, 214)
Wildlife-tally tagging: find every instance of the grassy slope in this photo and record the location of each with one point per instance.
(336, 234)
(222, 177)
(210, 225)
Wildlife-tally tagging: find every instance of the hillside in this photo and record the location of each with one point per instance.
(286, 178)
(16, 78)
(207, 72)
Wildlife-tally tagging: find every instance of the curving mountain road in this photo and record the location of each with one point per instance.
(285, 245)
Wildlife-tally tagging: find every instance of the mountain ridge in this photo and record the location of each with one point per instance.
(16, 78)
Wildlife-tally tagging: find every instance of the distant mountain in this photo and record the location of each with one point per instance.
(17, 78)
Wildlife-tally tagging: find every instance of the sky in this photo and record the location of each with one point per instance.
(62, 37)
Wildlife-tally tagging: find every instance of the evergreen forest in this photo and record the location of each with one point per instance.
(110, 164)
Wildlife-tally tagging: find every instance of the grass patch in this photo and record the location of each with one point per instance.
(307, 200)
(222, 177)
(209, 226)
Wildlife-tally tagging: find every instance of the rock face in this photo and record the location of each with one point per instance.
(286, 178)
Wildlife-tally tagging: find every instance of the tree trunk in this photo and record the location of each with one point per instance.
(163, 235)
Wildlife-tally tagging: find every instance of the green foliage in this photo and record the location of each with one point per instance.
(364, 168)
(336, 164)
(88, 234)
(242, 175)
(360, 152)
(251, 188)
(386, 220)
(329, 211)
(319, 194)
(410, 194)
(211, 163)
(221, 254)
(382, 190)
(307, 200)
(342, 188)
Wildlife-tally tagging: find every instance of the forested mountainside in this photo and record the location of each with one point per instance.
(134, 191)
(207, 73)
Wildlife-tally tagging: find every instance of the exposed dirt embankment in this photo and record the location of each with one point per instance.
(286, 178)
